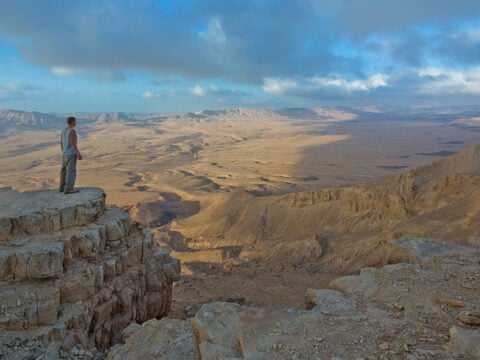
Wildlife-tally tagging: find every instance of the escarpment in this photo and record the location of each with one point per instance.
(74, 273)
(352, 225)
(405, 195)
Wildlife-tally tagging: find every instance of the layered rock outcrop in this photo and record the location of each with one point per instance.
(74, 273)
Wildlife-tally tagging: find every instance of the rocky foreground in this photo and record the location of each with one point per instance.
(74, 273)
(427, 309)
(81, 280)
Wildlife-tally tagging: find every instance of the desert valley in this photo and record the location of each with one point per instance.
(254, 179)
(262, 205)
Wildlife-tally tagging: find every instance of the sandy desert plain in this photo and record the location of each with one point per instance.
(238, 195)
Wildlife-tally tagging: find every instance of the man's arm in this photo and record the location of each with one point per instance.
(73, 141)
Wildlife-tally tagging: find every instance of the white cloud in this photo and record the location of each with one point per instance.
(101, 75)
(62, 71)
(256, 38)
(317, 83)
(242, 44)
(373, 82)
(214, 33)
(197, 90)
(428, 72)
(147, 95)
(213, 91)
(278, 86)
(439, 81)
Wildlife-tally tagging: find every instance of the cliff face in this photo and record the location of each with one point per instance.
(75, 272)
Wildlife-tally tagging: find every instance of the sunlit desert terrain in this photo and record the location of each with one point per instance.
(262, 151)
(203, 183)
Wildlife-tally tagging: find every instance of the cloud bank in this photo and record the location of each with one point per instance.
(312, 48)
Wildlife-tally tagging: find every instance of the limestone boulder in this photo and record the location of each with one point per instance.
(421, 249)
(363, 284)
(328, 301)
(465, 342)
(156, 339)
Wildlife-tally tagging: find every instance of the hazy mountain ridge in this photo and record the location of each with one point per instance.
(297, 113)
(11, 120)
(28, 120)
(117, 117)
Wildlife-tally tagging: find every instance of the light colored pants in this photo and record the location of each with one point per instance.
(68, 174)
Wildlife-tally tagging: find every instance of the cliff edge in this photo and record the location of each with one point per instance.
(74, 273)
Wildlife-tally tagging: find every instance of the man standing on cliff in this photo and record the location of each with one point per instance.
(70, 154)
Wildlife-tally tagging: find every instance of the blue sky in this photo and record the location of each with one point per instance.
(183, 55)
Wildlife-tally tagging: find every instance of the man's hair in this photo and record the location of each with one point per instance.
(71, 120)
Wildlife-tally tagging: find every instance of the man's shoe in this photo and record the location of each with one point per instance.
(71, 192)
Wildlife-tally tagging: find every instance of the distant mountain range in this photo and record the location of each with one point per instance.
(111, 118)
(16, 120)
(11, 120)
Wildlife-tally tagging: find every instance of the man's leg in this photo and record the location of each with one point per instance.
(63, 174)
(71, 173)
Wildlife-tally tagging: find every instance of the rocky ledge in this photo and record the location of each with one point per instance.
(428, 309)
(74, 273)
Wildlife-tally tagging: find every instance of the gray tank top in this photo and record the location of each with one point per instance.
(67, 146)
